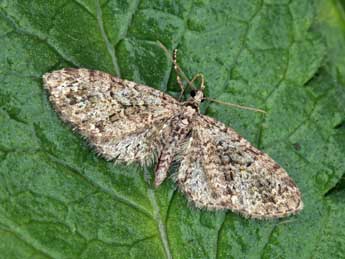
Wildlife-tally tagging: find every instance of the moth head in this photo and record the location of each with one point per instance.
(197, 95)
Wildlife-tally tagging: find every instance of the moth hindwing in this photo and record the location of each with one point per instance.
(128, 122)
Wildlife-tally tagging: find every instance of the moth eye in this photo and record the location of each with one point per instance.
(192, 93)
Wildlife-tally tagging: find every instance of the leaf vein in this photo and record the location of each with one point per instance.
(160, 224)
(101, 188)
(38, 38)
(26, 238)
(105, 37)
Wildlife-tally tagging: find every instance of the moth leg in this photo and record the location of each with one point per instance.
(202, 86)
(162, 168)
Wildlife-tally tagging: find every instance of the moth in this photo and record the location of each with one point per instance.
(128, 122)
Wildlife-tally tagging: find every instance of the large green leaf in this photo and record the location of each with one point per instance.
(59, 199)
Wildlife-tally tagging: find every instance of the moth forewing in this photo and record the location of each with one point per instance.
(129, 122)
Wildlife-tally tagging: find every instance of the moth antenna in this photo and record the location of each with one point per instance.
(176, 66)
(178, 78)
(235, 105)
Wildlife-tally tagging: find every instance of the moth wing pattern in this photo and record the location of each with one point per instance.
(128, 122)
(221, 170)
(124, 121)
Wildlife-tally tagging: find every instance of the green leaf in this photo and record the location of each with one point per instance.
(58, 199)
